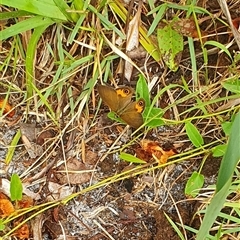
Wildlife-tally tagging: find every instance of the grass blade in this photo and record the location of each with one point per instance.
(46, 9)
(25, 25)
(228, 165)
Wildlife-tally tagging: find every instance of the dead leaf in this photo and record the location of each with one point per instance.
(59, 214)
(28, 132)
(187, 28)
(22, 232)
(137, 53)
(6, 208)
(231, 103)
(44, 136)
(8, 109)
(151, 150)
(3, 196)
(143, 154)
(91, 157)
(25, 202)
(78, 172)
(58, 191)
(33, 149)
(56, 214)
(225, 9)
(236, 23)
(36, 227)
(127, 214)
(132, 40)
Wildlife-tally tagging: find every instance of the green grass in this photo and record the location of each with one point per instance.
(58, 53)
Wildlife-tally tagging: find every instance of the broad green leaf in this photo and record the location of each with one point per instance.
(78, 4)
(154, 118)
(2, 226)
(130, 158)
(142, 90)
(13, 14)
(232, 85)
(219, 150)
(226, 126)
(194, 135)
(16, 188)
(170, 43)
(194, 184)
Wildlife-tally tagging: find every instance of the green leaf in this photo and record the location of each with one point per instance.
(212, 212)
(194, 184)
(227, 126)
(193, 134)
(147, 42)
(107, 24)
(114, 117)
(219, 150)
(45, 101)
(232, 85)
(46, 9)
(12, 14)
(220, 46)
(232, 155)
(174, 225)
(157, 18)
(78, 4)
(228, 165)
(12, 147)
(130, 158)
(142, 90)
(2, 225)
(24, 26)
(171, 45)
(64, 8)
(154, 117)
(30, 56)
(16, 188)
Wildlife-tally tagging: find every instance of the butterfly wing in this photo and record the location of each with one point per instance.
(119, 101)
(132, 114)
(115, 99)
(109, 97)
(124, 97)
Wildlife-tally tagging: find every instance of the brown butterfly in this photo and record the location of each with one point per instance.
(119, 100)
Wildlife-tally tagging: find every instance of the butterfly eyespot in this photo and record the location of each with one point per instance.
(123, 92)
(126, 91)
(140, 105)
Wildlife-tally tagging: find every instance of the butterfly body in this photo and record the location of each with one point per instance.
(119, 100)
